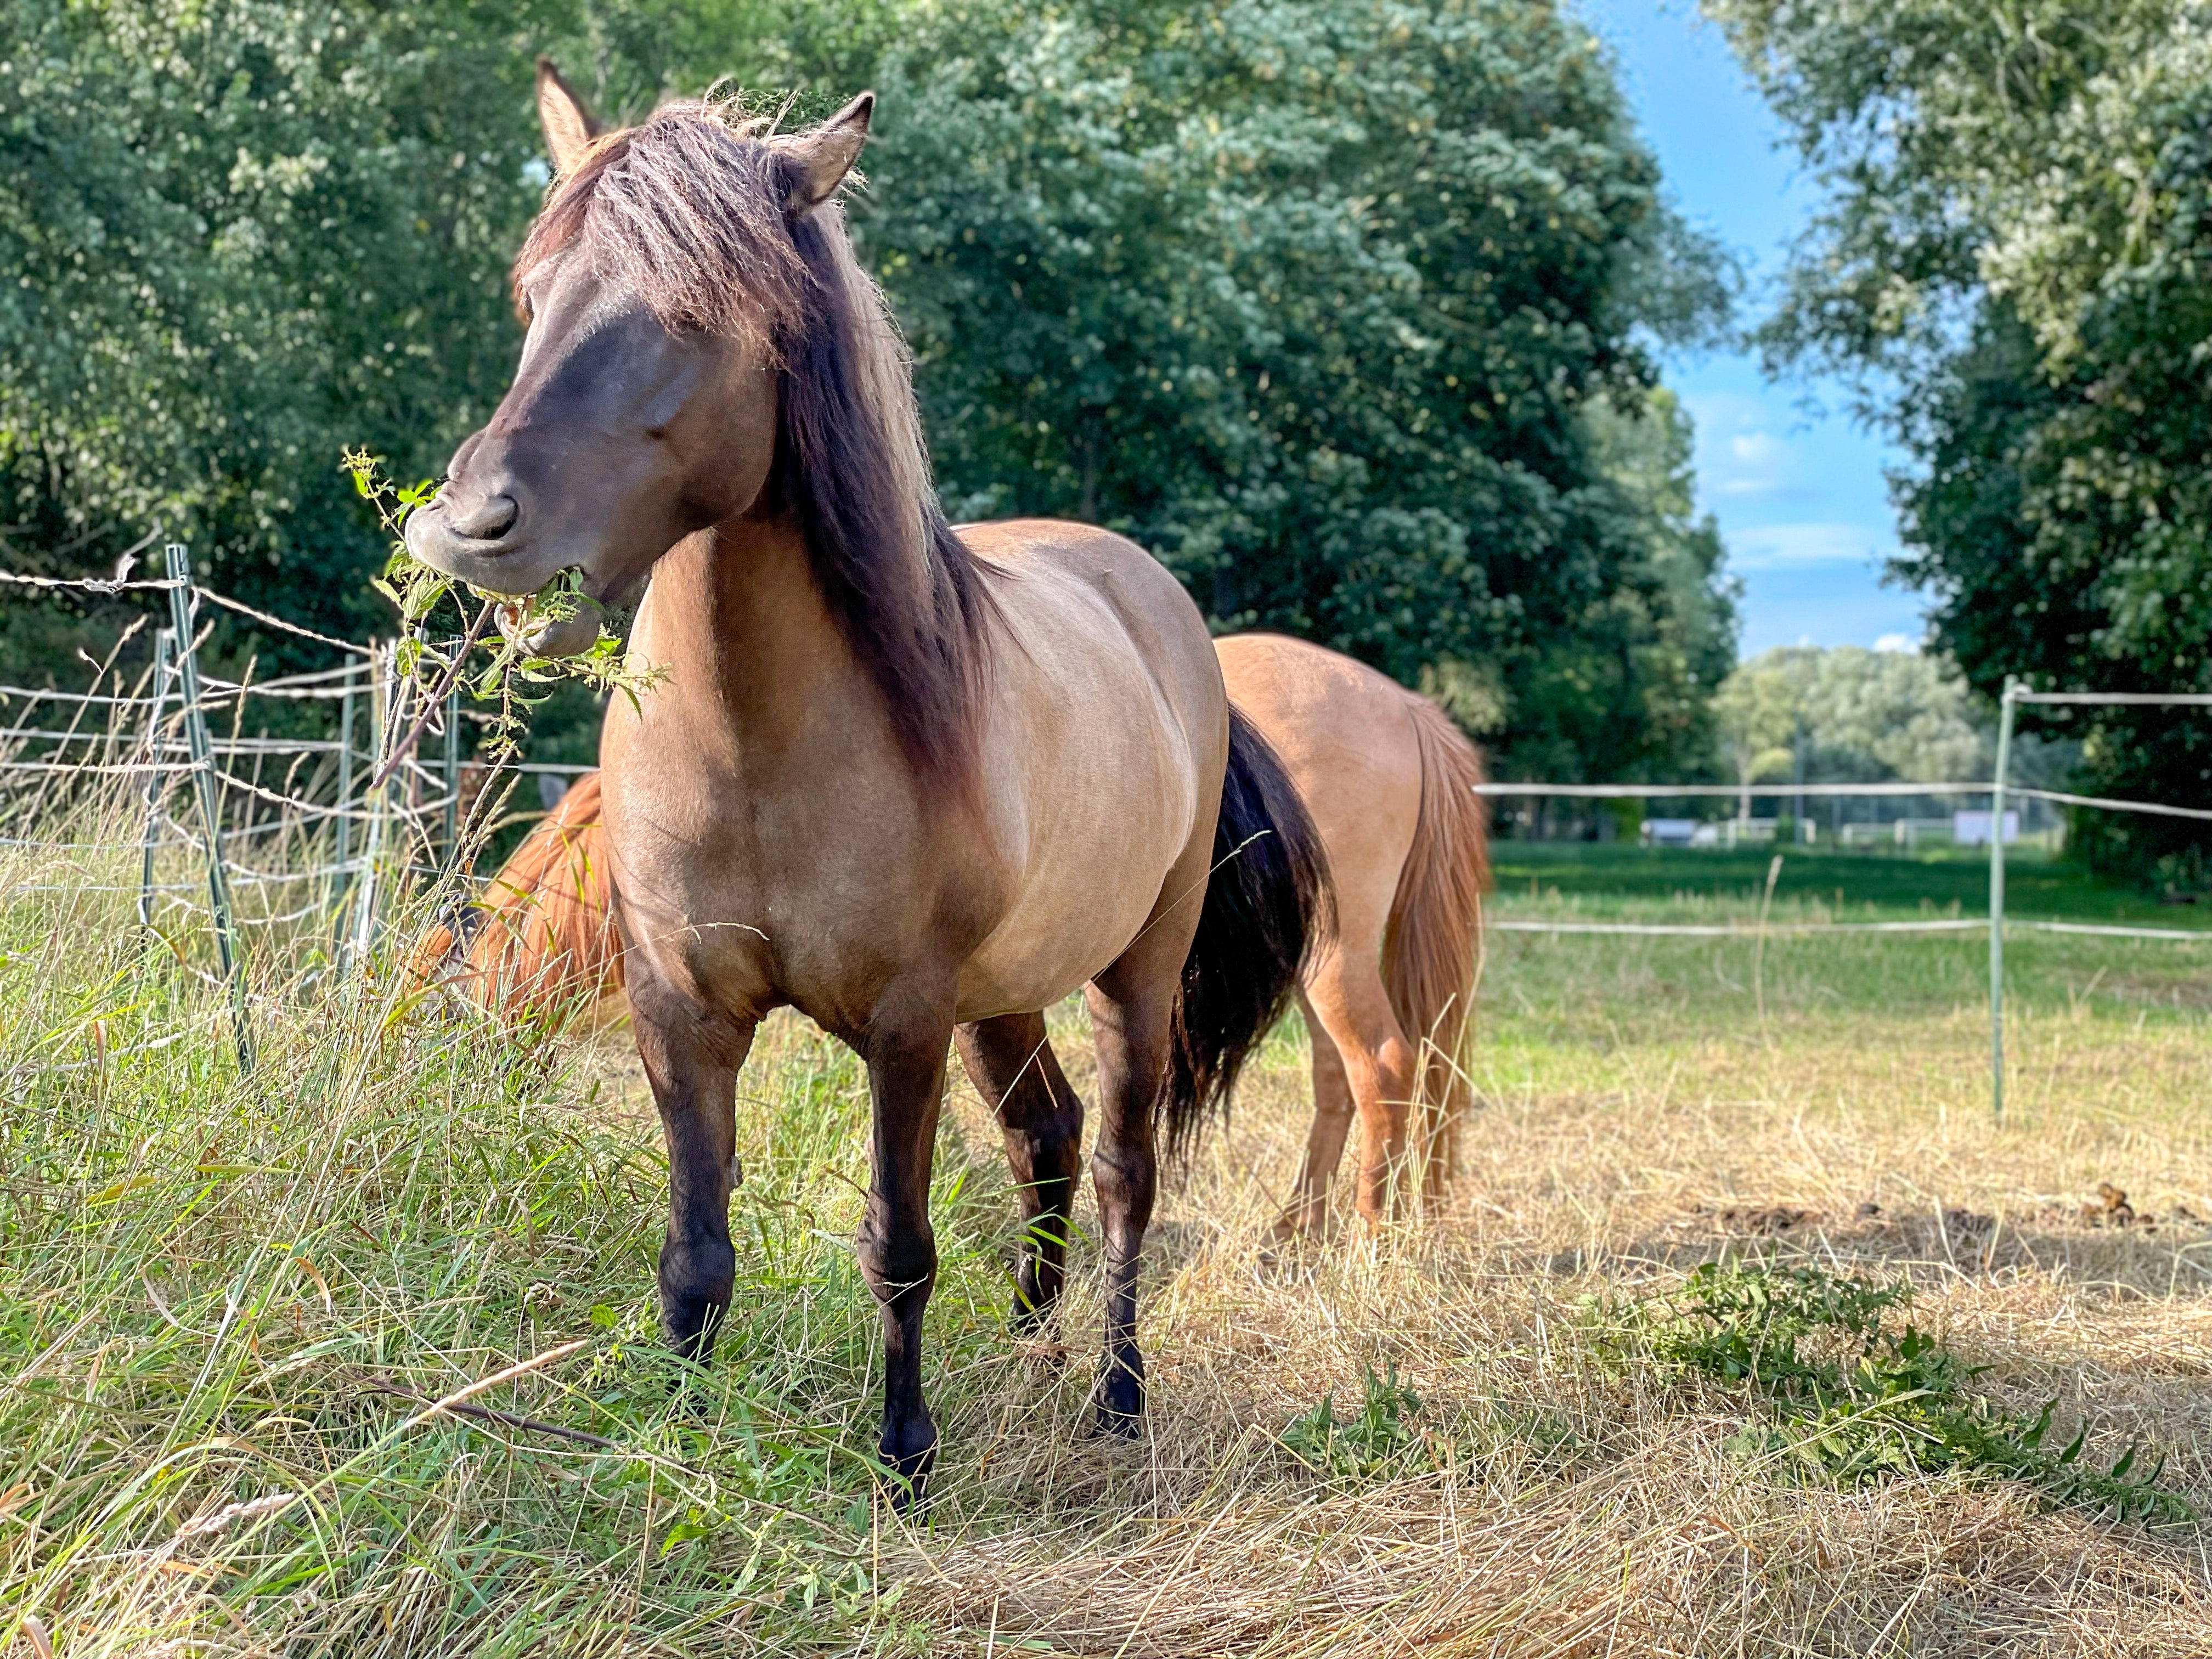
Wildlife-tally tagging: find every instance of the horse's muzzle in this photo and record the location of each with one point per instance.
(503, 561)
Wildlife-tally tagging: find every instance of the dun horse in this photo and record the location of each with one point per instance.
(1385, 775)
(907, 782)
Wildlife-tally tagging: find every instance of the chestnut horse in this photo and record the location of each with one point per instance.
(1385, 775)
(907, 782)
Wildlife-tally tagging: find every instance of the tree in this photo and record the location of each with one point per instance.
(1344, 310)
(1846, 714)
(1323, 302)
(2021, 210)
(237, 237)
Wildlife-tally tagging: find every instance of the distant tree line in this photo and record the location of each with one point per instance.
(2015, 264)
(1346, 310)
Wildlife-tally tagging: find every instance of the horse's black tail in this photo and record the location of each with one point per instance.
(1267, 903)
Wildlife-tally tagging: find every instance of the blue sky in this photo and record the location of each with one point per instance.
(1798, 490)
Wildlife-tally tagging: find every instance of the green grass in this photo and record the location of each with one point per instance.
(1612, 878)
(210, 1286)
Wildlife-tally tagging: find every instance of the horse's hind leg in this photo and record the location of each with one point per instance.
(1132, 1015)
(1011, 1062)
(1345, 994)
(1331, 1123)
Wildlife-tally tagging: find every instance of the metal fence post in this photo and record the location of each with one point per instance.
(203, 757)
(364, 906)
(342, 881)
(452, 778)
(165, 640)
(2005, 706)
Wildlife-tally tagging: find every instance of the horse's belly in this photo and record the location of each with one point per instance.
(1081, 909)
(1099, 791)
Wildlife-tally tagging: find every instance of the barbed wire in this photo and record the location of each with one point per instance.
(92, 584)
(267, 621)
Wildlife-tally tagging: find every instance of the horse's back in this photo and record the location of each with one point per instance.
(1104, 744)
(1347, 736)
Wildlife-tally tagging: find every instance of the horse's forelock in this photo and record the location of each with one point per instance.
(686, 211)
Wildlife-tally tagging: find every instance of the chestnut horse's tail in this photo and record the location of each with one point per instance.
(1431, 951)
(541, 936)
(1266, 901)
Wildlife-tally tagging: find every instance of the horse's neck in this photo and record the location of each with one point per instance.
(734, 617)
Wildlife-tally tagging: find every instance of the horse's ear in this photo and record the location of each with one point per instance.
(569, 127)
(817, 163)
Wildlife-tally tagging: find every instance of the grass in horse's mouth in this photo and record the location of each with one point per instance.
(211, 1289)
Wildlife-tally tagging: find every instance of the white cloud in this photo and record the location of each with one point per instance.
(1904, 644)
(1754, 464)
(1786, 546)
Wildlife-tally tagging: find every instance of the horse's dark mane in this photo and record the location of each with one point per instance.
(690, 212)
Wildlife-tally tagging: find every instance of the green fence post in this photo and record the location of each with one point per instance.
(2005, 705)
(203, 775)
(165, 642)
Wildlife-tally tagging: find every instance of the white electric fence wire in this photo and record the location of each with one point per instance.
(1730, 791)
(1808, 929)
(2121, 699)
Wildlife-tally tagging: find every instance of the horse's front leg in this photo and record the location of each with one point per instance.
(896, 1246)
(692, 1064)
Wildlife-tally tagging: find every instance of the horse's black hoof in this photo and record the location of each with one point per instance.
(691, 1331)
(1117, 1404)
(1114, 1425)
(695, 1288)
(907, 1471)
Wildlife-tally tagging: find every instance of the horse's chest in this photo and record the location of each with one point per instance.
(752, 905)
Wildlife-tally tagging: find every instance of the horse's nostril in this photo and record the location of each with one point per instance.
(487, 521)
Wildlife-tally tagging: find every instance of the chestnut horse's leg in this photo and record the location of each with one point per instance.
(1346, 994)
(693, 1067)
(1011, 1064)
(1331, 1123)
(895, 1244)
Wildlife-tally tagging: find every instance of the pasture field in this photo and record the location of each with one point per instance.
(1522, 1425)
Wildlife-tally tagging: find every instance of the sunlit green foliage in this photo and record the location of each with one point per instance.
(2013, 263)
(1850, 714)
(1318, 300)
(236, 237)
(1847, 1395)
(1345, 311)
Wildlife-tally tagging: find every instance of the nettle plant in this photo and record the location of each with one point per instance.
(1840, 1393)
(500, 627)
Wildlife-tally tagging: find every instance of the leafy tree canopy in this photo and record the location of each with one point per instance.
(2011, 263)
(1344, 309)
(235, 237)
(1335, 305)
(1848, 714)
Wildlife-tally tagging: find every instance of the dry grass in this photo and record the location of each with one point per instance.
(462, 1207)
(1572, 1512)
